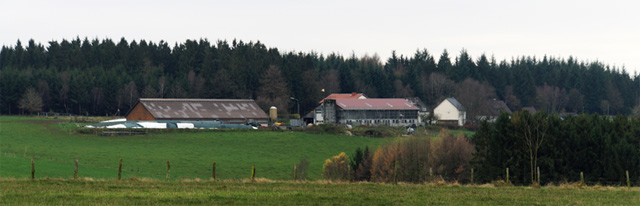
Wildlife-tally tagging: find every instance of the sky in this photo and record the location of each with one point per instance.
(604, 31)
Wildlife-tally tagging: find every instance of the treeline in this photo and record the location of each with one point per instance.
(600, 147)
(105, 77)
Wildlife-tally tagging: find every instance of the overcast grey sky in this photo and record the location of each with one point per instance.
(607, 31)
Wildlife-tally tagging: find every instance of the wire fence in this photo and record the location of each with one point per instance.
(520, 178)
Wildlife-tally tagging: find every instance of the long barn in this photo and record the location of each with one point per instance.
(228, 111)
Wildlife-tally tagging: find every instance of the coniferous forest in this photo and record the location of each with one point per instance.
(106, 77)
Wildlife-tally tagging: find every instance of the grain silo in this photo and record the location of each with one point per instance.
(273, 114)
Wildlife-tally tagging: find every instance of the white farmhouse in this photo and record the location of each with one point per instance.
(450, 111)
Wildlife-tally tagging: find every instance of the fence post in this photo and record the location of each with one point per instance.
(581, 179)
(213, 172)
(75, 170)
(628, 182)
(253, 173)
(430, 174)
(508, 176)
(472, 176)
(348, 173)
(168, 169)
(395, 174)
(119, 169)
(538, 175)
(295, 172)
(33, 169)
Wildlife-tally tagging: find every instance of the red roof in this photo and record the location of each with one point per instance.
(375, 104)
(343, 96)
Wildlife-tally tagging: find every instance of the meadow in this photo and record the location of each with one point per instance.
(266, 192)
(54, 144)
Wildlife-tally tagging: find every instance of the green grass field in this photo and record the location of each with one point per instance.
(54, 146)
(156, 192)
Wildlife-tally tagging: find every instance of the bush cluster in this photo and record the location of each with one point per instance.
(409, 159)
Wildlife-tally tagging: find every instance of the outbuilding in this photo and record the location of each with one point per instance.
(372, 112)
(227, 111)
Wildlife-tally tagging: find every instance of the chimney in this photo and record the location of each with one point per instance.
(353, 94)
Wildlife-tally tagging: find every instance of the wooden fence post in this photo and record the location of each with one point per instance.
(213, 172)
(33, 169)
(508, 176)
(75, 169)
(430, 174)
(581, 179)
(253, 173)
(168, 169)
(120, 169)
(395, 174)
(538, 175)
(295, 172)
(628, 181)
(348, 173)
(472, 176)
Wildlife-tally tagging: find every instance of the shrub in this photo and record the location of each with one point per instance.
(450, 156)
(411, 155)
(336, 168)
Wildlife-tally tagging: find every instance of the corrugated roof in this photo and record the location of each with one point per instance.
(344, 96)
(456, 104)
(203, 108)
(375, 104)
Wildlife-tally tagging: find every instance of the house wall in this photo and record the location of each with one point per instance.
(139, 113)
(446, 111)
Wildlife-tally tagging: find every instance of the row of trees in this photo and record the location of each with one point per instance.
(600, 147)
(103, 77)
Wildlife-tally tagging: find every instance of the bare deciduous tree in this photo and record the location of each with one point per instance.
(31, 101)
(550, 98)
(533, 129)
(402, 90)
(436, 87)
(475, 97)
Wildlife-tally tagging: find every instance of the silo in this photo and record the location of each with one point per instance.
(273, 114)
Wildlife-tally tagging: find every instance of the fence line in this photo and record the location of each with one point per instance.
(629, 182)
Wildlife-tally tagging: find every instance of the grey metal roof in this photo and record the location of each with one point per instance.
(203, 108)
(456, 104)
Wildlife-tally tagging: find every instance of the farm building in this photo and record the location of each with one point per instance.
(450, 111)
(423, 112)
(373, 112)
(493, 110)
(227, 111)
